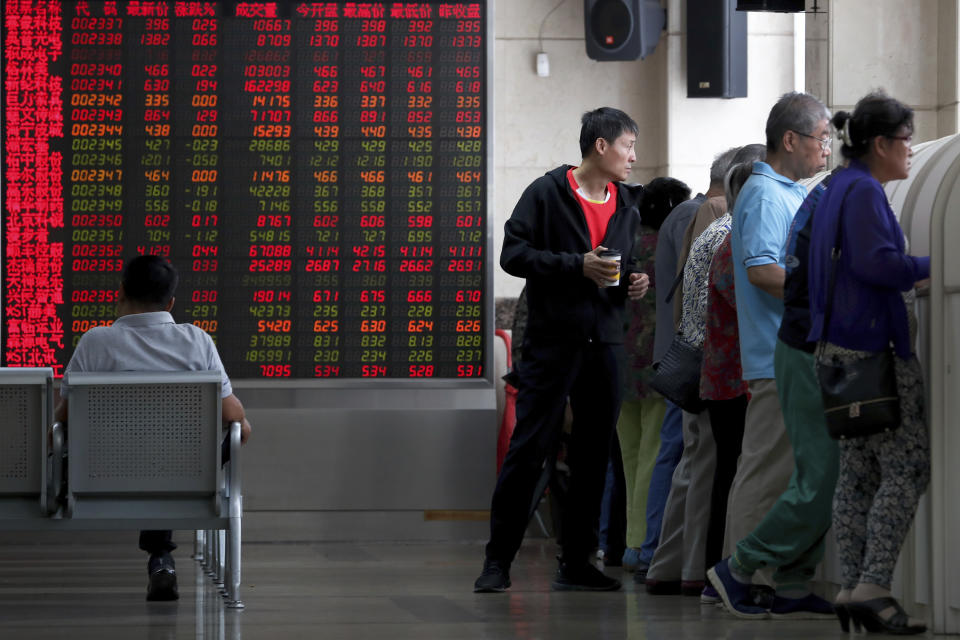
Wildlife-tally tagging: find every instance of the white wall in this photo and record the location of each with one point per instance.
(700, 128)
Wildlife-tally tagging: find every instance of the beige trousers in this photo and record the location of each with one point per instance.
(686, 517)
(764, 469)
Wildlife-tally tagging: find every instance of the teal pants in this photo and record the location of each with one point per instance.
(790, 537)
(639, 433)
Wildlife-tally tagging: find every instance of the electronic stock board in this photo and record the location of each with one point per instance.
(316, 171)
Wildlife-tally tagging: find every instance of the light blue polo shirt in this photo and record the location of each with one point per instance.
(149, 341)
(761, 223)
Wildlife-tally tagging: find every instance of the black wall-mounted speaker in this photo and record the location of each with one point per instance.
(785, 6)
(622, 29)
(716, 49)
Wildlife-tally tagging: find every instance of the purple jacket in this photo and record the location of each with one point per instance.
(868, 311)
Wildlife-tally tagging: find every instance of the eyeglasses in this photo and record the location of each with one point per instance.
(907, 139)
(824, 142)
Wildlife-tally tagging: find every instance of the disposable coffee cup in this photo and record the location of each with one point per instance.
(612, 254)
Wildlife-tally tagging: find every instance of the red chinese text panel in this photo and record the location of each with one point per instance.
(316, 172)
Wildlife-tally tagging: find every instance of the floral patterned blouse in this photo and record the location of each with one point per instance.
(721, 376)
(640, 320)
(696, 272)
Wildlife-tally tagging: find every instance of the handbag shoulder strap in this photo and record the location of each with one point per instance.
(673, 287)
(834, 264)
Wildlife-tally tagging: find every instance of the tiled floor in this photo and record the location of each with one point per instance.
(342, 591)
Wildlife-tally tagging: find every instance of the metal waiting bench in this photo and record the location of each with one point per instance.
(143, 452)
(27, 492)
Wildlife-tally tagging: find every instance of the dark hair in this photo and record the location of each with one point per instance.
(607, 123)
(660, 196)
(733, 183)
(721, 164)
(150, 281)
(794, 111)
(750, 153)
(877, 114)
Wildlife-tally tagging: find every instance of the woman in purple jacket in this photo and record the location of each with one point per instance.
(882, 476)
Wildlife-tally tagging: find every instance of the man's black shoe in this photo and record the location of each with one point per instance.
(163, 585)
(494, 579)
(163, 578)
(583, 577)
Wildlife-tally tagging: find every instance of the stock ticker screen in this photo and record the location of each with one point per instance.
(316, 171)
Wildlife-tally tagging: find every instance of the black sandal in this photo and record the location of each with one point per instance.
(844, 616)
(867, 613)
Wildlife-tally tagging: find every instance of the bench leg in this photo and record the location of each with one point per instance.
(211, 554)
(221, 559)
(198, 546)
(233, 566)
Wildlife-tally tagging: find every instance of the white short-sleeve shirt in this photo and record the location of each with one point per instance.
(149, 341)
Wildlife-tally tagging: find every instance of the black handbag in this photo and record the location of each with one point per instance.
(677, 377)
(860, 397)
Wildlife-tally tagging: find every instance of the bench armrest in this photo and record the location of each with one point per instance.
(50, 499)
(236, 494)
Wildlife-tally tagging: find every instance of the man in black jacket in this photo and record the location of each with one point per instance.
(573, 344)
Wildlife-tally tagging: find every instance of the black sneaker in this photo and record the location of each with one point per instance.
(583, 577)
(163, 578)
(495, 578)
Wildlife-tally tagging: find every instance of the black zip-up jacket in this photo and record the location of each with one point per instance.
(545, 239)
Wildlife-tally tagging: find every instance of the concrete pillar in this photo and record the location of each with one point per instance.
(948, 63)
(908, 49)
(818, 51)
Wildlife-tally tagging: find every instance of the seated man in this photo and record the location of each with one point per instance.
(144, 337)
